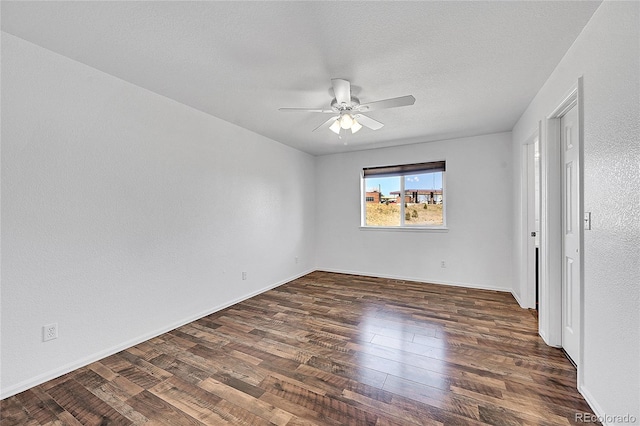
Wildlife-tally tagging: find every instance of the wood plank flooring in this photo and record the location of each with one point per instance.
(326, 349)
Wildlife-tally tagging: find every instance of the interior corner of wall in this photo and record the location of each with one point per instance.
(518, 299)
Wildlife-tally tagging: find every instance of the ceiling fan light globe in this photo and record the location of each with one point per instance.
(335, 127)
(346, 121)
(355, 126)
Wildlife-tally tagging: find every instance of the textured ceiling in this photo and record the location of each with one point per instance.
(473, 67)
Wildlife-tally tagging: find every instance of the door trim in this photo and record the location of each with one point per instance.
(550, 314)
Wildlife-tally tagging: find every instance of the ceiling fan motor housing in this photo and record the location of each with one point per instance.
(335, 106)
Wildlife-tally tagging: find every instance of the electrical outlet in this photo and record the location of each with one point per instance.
(49, 332)
(297, 259)
(443, 264)
(244, 275)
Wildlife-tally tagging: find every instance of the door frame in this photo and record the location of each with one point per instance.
(551, 241)
(527, 208)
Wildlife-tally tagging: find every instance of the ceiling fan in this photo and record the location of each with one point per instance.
(349, 110)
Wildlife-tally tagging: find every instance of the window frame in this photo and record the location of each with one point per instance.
(403, 171)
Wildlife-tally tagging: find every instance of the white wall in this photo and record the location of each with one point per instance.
(477, 246)
(125, 214)
(607, 54)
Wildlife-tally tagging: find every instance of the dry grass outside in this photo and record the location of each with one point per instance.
(415, 214)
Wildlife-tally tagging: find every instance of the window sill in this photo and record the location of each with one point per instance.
(405, 228)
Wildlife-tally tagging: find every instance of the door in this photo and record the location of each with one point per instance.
(571, 228)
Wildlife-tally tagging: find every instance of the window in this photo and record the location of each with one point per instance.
(404, 196)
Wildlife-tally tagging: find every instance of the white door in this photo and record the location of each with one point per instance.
(571, 228)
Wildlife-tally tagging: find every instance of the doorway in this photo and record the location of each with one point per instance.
(531, 219)
(561, 231)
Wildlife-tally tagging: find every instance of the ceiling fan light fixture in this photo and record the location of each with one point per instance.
(355, 126)
(335, 127)
(346, 121)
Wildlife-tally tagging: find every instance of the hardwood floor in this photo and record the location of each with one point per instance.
(326, 349)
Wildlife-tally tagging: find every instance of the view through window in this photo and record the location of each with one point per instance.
(410, 195)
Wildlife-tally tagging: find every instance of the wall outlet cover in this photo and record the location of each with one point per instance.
(49, 332)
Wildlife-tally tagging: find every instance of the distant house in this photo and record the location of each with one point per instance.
(373, 197)
(428, 196)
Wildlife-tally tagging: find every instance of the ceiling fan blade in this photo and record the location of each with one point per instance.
(326, 123)
(306, 110)
(368, 122)
(388, 103)
(342, 90)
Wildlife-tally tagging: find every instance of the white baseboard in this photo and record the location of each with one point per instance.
(606, 418)
(50, 375)
(597, 409)
(416, 279)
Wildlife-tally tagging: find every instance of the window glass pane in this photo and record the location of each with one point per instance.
(423, 199)
(382, 205)
(409, 195)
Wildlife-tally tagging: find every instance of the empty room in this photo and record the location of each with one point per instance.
(320, 213)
